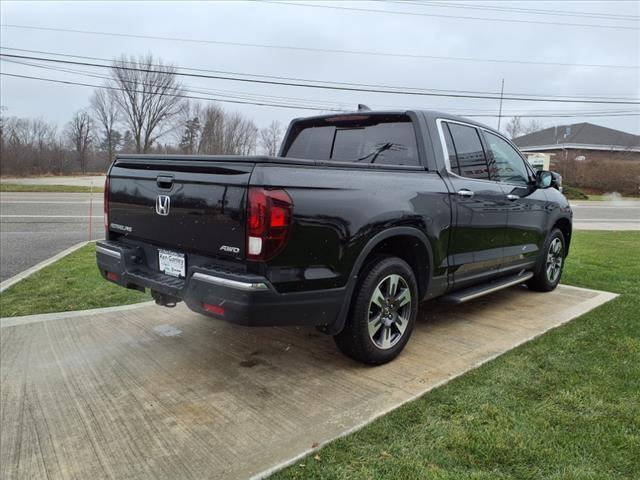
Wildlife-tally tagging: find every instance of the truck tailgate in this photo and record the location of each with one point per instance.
(191, 206)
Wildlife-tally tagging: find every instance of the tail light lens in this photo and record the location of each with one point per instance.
(269, 214)
(105, 204)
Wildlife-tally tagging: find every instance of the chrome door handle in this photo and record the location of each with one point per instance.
(512, 197)
(465, 193)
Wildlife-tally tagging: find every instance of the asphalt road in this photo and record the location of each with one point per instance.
(618, 215)
(36, 226)
(83, 181)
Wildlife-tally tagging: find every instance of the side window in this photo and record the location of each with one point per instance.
(506, 164)
(472, 162)
(313, 143)
(451, 149)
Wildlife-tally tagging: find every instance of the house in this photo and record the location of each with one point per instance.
(581, 141)
(591, 156)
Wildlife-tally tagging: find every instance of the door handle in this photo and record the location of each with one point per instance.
(164, 181)
(512, 197)
(465, 193)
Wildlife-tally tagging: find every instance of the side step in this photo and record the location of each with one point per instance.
(461, 296)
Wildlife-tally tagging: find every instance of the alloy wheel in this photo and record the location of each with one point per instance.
(554, 260)
(389, 311)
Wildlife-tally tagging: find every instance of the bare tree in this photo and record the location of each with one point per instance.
(79, 132)
(514, 127)
(226, 133)
(149, 96)
(106, 112)
(241, 135)
(270, 138)
(212, 136)
(532, 126)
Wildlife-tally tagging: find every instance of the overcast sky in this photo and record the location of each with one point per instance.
(429, 30)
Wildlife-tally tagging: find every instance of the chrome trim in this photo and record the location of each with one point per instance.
(517, 281)
(108, 251)
(226, 282)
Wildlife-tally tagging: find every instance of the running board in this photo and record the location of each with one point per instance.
(476, 291)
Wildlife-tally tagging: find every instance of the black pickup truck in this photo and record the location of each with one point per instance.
(361, 217)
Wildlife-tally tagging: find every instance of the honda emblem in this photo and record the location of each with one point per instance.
(163, 202)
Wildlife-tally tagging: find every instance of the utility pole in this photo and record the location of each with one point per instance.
(500, 111)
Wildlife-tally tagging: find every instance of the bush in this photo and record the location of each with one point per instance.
(573, 193)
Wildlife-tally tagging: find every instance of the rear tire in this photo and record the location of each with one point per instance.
(550, 264)
(383, 312)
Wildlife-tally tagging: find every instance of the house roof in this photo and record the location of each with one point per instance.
(579, 135)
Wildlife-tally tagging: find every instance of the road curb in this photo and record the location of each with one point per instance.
(30, 271)
(47, 317)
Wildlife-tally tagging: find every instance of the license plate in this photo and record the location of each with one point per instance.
(171, 263)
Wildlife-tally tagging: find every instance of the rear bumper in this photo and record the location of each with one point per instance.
(246, 299)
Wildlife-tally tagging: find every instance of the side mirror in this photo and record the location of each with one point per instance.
(547, 179)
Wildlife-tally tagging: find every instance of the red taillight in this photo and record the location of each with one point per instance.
(105, 204)
(269, 215)
(112, 276)
(215, 309)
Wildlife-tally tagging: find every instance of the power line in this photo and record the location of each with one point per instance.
(328, 87)
(438, 15)
(105, 87)
(332, 82)
(68, 82)
(320, 50)
(532, 11)
(308, 103)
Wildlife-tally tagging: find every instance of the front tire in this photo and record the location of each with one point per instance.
(383, 312)
(550, 265)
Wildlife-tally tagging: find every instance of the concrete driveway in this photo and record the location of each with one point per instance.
(156, 393)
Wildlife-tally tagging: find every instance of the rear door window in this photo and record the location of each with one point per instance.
(451, 149)
(369, 141)
(472, 162)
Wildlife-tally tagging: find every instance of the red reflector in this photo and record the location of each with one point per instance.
(215, 309)
(112, 276)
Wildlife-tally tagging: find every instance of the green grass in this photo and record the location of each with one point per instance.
(16, 187)
(71, 283)
(564, 406)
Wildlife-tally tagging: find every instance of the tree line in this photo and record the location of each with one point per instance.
(142, 108)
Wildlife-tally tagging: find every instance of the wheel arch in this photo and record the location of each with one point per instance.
(407, 243)
(564, 224)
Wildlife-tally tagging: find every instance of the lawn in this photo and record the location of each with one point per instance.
(564, 406)
(16, 187)
(71, 283)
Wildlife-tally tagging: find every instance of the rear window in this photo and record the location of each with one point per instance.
(368, 140)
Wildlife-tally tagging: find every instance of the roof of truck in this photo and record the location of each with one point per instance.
(428, 114)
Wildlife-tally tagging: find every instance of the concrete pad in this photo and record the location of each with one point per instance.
(151, 392)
